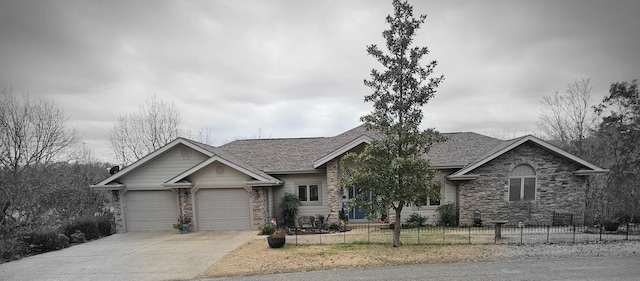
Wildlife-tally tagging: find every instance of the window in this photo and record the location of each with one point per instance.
(431, 201)
(522, 183)
(309, 193)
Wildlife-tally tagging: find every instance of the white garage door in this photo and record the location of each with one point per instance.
(151, 210)
(223, 209)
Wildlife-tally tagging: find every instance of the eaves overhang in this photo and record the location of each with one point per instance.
(342, 150)
(463, 177)
(263, 183)
(591, 172)
(107, 186)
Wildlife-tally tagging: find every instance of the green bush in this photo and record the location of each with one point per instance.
(11, 249)
(334, 226)
(416, 220)
(267, 230)
(448, 215)
(105, 224)
(87, 225)
(45, 240)
(289, 207)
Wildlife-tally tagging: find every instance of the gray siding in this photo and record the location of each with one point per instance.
(157, 171)
(290, 186)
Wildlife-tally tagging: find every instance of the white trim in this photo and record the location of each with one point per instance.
(548, 146)
(360, 140)
(107, 187)
(153, 155)
(463, 177)
(225, 162)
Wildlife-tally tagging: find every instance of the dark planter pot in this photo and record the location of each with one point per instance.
(185, 228)
(611, 226)
(276, 242)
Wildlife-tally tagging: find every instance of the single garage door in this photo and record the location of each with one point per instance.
(223, 209)
(151, 210)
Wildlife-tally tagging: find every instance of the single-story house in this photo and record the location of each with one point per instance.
(239, 185)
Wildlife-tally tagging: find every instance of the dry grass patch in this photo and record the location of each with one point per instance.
(256, 257)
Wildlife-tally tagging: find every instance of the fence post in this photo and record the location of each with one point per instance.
(600, 231)
(443, 235)
(418, 234)
(344, 235)
(548, 231)
(521, 226)
(368, 232)
(320, 236)
(574, 234)
(469, 234)
(627, 232)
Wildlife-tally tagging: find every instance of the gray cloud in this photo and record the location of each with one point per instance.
(294, 68)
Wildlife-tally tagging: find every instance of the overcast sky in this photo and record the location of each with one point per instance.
(296, 68)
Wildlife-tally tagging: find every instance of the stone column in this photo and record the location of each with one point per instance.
(186, 204)
(259, 207)
(118, 213)
(333, 188)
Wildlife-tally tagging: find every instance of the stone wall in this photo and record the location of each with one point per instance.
(115, 205)
(557, 189)
(333, 188)
(186, 203)
(259, 207)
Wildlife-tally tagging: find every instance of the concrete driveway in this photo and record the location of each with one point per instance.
(131, 256)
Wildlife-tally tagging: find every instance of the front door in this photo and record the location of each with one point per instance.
(357, 212)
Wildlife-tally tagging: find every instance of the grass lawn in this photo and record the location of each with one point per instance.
(256, 257)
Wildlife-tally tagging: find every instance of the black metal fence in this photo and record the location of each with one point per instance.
(488, 234)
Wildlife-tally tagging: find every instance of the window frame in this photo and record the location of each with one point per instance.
(308, 194)
(428, 200)
(522, 182)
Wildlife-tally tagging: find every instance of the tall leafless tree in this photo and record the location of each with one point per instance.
(137, 134)
(33, 135)
(567, 118)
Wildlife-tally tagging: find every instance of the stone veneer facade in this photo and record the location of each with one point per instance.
(557, 189)
(259, 207)
(333, 190)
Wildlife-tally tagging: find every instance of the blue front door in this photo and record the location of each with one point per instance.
(357, 212)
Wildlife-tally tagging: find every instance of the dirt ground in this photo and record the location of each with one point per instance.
(256, 257)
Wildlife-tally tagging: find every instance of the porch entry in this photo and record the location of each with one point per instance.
(357, 212)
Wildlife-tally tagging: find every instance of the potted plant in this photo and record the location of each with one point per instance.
(182, 224)
(277, 239)
(320, 221)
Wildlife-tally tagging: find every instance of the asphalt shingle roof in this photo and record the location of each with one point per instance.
(298, 154)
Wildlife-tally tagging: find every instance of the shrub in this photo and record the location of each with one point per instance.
(105, 224)
(87, 225)
(334, 226)
(448, 214)
(289, 206)
(10, 249)
(267, 230)
(45, 240)
(416, 220)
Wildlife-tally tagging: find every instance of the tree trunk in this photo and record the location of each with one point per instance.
(397, 228)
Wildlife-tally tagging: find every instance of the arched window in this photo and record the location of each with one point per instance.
(522, 183)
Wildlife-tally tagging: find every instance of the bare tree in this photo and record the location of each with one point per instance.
(567, 118)
(137, 134)
(33, 134)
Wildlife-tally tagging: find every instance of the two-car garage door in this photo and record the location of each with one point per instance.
(152, 210)
(223, 209)
(216, 209)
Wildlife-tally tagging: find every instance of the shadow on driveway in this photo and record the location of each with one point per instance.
(131, 256)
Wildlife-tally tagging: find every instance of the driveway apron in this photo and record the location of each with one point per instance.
(131, 256)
